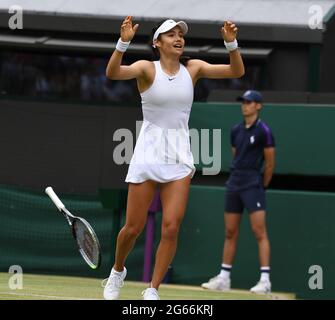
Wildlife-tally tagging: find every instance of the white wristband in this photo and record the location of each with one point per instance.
(122, 46)
(231, 46)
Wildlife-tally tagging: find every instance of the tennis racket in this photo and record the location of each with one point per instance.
(83, 233)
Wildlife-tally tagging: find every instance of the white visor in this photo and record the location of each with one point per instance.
(168, 25)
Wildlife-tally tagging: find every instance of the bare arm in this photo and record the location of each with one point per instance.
(115, 70)
(218, 71)
(269, 164)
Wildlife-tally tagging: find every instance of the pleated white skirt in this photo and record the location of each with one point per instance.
(160, 156)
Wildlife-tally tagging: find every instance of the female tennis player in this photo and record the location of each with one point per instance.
(166, 88)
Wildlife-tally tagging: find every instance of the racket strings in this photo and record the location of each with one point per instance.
(87, 242)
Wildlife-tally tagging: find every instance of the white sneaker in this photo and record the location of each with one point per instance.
(217, 283)
(262, 287)
(114, 284)
(150, 294)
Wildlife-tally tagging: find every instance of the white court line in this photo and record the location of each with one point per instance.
(44, 296)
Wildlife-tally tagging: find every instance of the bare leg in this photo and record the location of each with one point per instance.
(174, 196)
(258, 225)
(232, 224)
(138, 203)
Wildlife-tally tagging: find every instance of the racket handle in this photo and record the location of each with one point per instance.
(53, 196)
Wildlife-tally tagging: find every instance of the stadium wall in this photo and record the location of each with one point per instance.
(300, 231)
(327, 63)
(303, 134)
(282, 61)
(70, 146)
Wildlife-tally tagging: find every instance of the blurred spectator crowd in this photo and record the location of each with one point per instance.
(84, 78)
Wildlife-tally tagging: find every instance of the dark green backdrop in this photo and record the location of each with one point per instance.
(304, 134)
(34, 235)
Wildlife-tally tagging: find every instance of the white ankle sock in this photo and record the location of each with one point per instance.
(265, 273)
(225, 271)
(117, 272)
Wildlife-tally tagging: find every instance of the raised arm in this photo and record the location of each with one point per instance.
(115, 70)
(218, 71)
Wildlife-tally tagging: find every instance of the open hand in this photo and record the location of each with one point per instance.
(127, 29)
(229, 31)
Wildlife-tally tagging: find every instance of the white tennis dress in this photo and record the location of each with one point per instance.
(163, 152)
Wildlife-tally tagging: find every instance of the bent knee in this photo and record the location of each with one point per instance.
(170, 231)
(132, 231)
